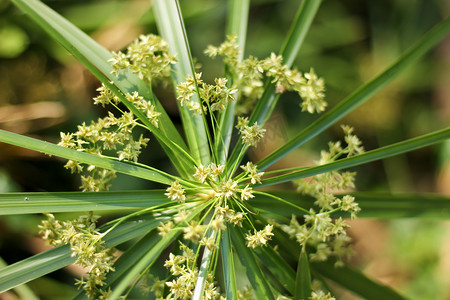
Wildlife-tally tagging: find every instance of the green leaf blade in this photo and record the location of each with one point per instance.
(229, 273)
(373, 205)
(303, 280)
(253, 271)
(31, 203)
(369, 156)
(83, 157)
(34, 267)
(236, 24)
(171, 27)
(275, 264)
(355, 281)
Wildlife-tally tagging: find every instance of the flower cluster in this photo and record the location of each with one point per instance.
(176, 192)
(109, 134)
(228, 198)
(251, 135)
(252, 172)
(214, 96)
(183, 269)
(260, 237)
(87, 245)
(148, 57)
(320, 295)
(319, 229)
(250, 74)
(211, 198)
(211, 171)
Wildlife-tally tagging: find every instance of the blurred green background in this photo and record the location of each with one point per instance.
(43, 91)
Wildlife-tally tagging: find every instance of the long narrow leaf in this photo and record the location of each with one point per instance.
(355, 281)
(386, 206)
(34, 267)
(373, 205)
(83, 157)
(303, 280)
(373, 155)
(238, 11)
(148, 259)
(205, 266)
(229, 273)
(171, 27)
(276, 265)
(23, 291)
(31, 203)
(253, 271)
(362, 94)
(95, 59)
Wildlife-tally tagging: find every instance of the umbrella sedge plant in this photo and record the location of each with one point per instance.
(213, 223)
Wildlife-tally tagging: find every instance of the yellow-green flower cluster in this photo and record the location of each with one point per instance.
(319, 229)
(227, 199)
(250, 135)
(86, 244)
(214, 96)
(148, 57)
(183, 269)
(260, 237)
(108, 135)
(224, 195)
(320, 295)
(249, 75)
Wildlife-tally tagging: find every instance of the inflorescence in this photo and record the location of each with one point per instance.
(211, 199)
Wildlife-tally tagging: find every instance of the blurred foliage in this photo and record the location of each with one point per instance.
(44, 91)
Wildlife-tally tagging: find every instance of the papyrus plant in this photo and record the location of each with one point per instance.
(214, 218)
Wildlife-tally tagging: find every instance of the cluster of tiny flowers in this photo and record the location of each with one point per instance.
(227, 197)
(250, 135)
(250, 74)
(320, 295)
(183, 269)
(86, 244)
(212, 171)
(319, 229)
(209, 184)
(214, 96)
(176, 192)
(260, 237)
(106, 97)
(252, 172)
(109, 134)
(147, 56)
(113, 134)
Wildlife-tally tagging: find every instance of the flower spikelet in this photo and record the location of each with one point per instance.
(148, 57)
(86, 244)
(251, 135)
(260, 237)
(176, 192)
